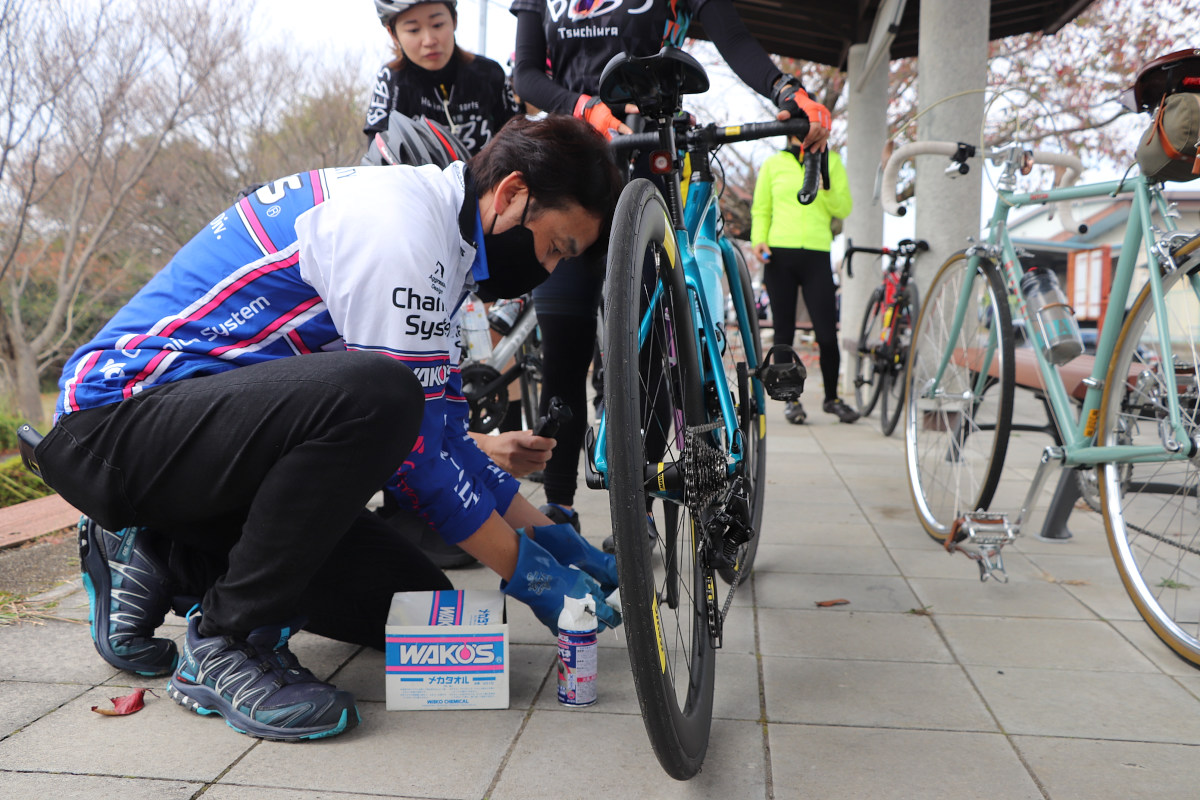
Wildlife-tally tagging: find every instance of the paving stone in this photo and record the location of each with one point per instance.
(834, 763)
(1086, 769)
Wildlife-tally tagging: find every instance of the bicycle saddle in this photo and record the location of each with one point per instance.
(655, 84)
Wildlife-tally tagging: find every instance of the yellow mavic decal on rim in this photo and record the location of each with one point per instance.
(668, 242)
(662, 478)
(762, 426)
(658, 636)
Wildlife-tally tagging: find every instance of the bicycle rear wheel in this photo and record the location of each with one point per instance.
(751, 416)
(867, 378)
(1152, 510)
(653, 397)
(891, 393)
(956, 436)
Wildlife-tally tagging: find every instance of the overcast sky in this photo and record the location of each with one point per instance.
(351, 26)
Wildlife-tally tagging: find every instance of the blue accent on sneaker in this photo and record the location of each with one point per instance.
(258, 686)
(128, 597)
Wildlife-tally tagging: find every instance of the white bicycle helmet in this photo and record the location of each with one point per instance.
(386, 9)
(414, 141)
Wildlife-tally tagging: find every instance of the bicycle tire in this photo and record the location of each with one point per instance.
(867, 378)
(663, 588)
(955, 443)
(1151, 510)
(891, 392)
(752, 420)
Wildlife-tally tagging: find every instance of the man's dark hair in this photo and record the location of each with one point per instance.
(561, 158)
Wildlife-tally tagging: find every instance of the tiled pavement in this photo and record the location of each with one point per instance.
(1049, 686)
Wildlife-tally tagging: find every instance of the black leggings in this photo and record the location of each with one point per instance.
(788, 270)
(566, 305)
(259, 477)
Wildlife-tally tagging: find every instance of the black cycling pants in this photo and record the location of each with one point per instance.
(259, 476)
(566, 305)
(809, 270)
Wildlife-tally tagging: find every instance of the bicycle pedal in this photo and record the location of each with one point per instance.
(981, 536)
(782, 380)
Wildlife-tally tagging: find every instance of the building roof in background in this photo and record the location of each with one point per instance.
(822, 31)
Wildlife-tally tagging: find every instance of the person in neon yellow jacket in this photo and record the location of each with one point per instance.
(793, 242)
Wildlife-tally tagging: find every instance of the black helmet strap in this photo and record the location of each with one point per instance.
(470, 208)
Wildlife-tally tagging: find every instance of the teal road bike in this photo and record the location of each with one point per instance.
(1129, 418)
(682, 434)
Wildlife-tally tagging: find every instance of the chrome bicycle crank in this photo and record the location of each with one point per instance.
(981, 537)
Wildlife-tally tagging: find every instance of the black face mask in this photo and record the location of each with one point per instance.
(513, 266)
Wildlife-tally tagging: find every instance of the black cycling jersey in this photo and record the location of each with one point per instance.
(470, 93)
(581, 36)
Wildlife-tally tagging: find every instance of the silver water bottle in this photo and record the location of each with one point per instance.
(1054, 327)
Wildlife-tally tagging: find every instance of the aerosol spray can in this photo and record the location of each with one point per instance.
(578, 652)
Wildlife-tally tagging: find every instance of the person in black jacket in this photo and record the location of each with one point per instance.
(432, 76)
(579, 38)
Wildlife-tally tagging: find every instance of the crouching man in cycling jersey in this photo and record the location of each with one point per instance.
(213, 463)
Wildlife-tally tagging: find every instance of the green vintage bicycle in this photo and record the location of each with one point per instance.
(683, 432)
(1130, 415)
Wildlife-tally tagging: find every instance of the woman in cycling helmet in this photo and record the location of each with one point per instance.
(434, 77)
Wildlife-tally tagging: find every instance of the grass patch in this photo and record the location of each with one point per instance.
(18, 484)
(15, 609)
(1167, 583)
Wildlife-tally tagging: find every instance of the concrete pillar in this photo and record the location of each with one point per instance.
(952, 60)
(866, 126)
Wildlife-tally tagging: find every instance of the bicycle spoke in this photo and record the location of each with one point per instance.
(1152, 510)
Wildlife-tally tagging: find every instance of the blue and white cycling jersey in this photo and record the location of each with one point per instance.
(365, 258)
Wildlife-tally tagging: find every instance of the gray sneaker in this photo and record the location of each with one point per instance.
(258, 686)
(129, 594)
(839, 409)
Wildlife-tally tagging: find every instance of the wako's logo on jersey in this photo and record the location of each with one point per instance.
(449, 654)
(432, 377)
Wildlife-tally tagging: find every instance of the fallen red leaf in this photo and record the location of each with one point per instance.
(828, 603)
(129, 704)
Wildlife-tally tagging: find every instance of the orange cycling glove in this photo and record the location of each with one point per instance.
(788, 95)
(597, 114)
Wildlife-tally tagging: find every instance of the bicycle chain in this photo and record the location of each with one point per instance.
(705, 477)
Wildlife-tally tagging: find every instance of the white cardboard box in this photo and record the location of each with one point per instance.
(446, 650)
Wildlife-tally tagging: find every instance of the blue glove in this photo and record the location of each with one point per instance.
(566, 545)
(541, 583)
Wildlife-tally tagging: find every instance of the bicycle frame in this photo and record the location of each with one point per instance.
(1078, 429)
(696, 240)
